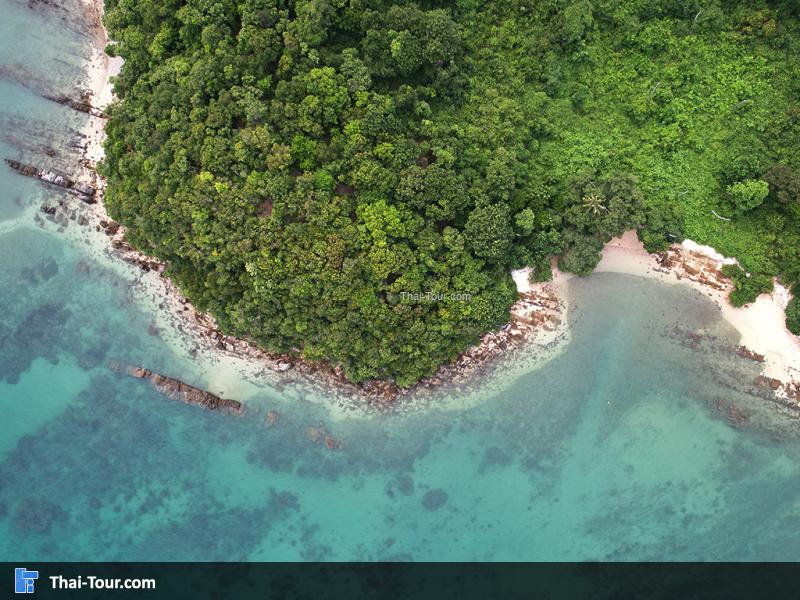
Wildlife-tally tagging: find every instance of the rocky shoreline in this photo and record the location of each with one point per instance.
(537, 314)
(764, 337)
(537, 320)
(537, 324)
(705, 270)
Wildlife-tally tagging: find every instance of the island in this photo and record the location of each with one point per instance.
(353, 183)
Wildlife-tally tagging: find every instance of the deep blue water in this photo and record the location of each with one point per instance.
(618, 448)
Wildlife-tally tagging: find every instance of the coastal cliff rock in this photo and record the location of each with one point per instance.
(178, 390)
(85, 191)
(694, 266)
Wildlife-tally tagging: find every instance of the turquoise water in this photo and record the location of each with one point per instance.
(619, 448)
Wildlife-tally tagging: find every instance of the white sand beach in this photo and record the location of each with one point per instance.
(761, 324)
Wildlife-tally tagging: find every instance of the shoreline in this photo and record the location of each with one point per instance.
(761, 324)
(536, 331)
(537, 321)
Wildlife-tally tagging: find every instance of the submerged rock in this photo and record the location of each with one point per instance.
(84, 190)
(178, 390)
(405, 485)
(320, 435)
(37, 516)
(81, 104)
(434, 499)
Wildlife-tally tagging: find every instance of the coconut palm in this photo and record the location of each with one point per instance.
(594, 203)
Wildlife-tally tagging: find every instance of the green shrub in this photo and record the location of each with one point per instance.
(793, 315)
(748, 286)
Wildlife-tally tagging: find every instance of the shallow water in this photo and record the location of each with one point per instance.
(619, 448)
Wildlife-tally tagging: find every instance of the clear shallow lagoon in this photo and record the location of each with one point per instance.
(619, 448)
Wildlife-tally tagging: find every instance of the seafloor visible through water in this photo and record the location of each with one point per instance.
(636, 442)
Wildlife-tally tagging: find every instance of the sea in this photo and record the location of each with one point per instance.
(643, 438)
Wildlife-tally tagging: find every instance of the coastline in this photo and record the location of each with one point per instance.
(536, 331)
(761, 325)
(238, 368)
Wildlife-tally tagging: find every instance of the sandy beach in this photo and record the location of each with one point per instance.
(761, 324)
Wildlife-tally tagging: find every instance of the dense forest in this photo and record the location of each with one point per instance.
(299, 164)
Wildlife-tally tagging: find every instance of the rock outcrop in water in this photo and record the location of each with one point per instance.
(82, 103)
(745, 352)
(178, 390)
(85, 191)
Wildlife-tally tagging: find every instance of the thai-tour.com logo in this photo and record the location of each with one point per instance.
(24, 580)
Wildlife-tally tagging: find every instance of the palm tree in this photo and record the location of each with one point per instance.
(594, 203)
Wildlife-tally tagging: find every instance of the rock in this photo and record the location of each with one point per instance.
(178, 390)
(316, 433)
(768, 382)
(434, 499)
(690, 270)
(747, 353)
(272, 418)
(86, 189)
(80, 104)
(86, 192)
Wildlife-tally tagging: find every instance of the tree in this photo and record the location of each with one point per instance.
(355, 71)
(793, 315)
(577, 20)
(607, 206)
(749, 286)
(525, 221)
(489, 232)
(747, 195)
(784, 184)
(594, 204)
(581, 253)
